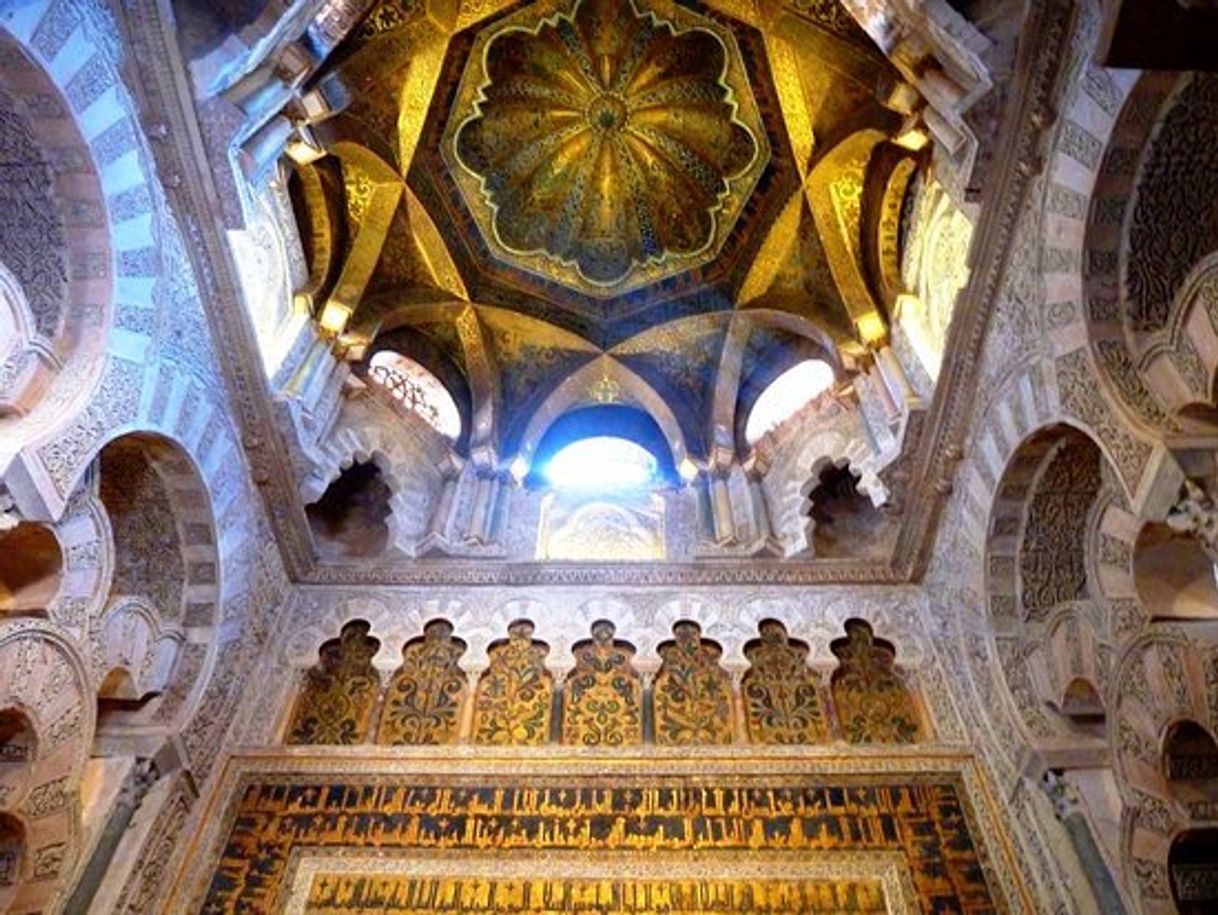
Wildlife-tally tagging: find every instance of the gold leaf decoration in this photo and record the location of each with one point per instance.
(603, 695)
(693, 694)
(609, 145)
(335, 706)
(423, 702)
(514, 695)
(873, 703)
(781, 698)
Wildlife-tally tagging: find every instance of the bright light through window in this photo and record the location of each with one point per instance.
(786, 395)
(418, 390)
(602, 462)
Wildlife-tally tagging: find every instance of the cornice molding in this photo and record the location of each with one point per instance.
(718, 572)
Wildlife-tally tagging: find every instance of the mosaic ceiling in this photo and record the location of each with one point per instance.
(671, 187)
(605, 148)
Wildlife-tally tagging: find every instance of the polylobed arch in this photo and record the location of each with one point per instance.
(351, 517)
(1042, 588)
(1161, 736)
(161, 618)
(1147, 229)
(56, 287)
(49, 719)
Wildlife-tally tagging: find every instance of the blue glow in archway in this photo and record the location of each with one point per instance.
(602, 462)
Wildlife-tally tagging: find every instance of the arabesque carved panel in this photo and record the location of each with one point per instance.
(873, 703)
(335, 706)
(781, 699)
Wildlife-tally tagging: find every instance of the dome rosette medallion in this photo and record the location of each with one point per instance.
(607, 146)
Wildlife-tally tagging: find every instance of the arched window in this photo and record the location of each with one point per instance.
(604, 468)
(418, 390)
(786, 395)
(602, 462)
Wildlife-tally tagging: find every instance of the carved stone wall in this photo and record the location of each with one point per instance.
(1025, 647)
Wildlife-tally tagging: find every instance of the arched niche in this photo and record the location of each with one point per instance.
(351, 517)
(1174, 576)
(1192, 865)
(873, 702)
(335, 704)
(1039, 556)
(845, 521)
(1081, 703)
(12, 860)
(1153, 221)
(1190, 761)
(31, 568)
(159, 621)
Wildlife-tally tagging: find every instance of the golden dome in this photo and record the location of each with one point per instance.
(608, 146)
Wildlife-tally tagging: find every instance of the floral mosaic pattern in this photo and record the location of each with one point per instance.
(781, 700)
(873, 703)
(513, 705)
(603, 695)
(423, 703)
(336, 704)
(693, 694)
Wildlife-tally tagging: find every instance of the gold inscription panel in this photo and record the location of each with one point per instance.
(284, 832)
(336, 894)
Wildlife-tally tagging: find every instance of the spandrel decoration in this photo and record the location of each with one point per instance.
(608, 146)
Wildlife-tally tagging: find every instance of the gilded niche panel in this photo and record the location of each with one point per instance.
(693, 694)
(606, 146)
(603, 694)
(514, 697)
(781, 699)
(359, 895)
(335, 706)
(872, 701)
(423, 702)
(924, 819)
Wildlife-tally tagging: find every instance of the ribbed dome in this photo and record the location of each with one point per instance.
(606, 139)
